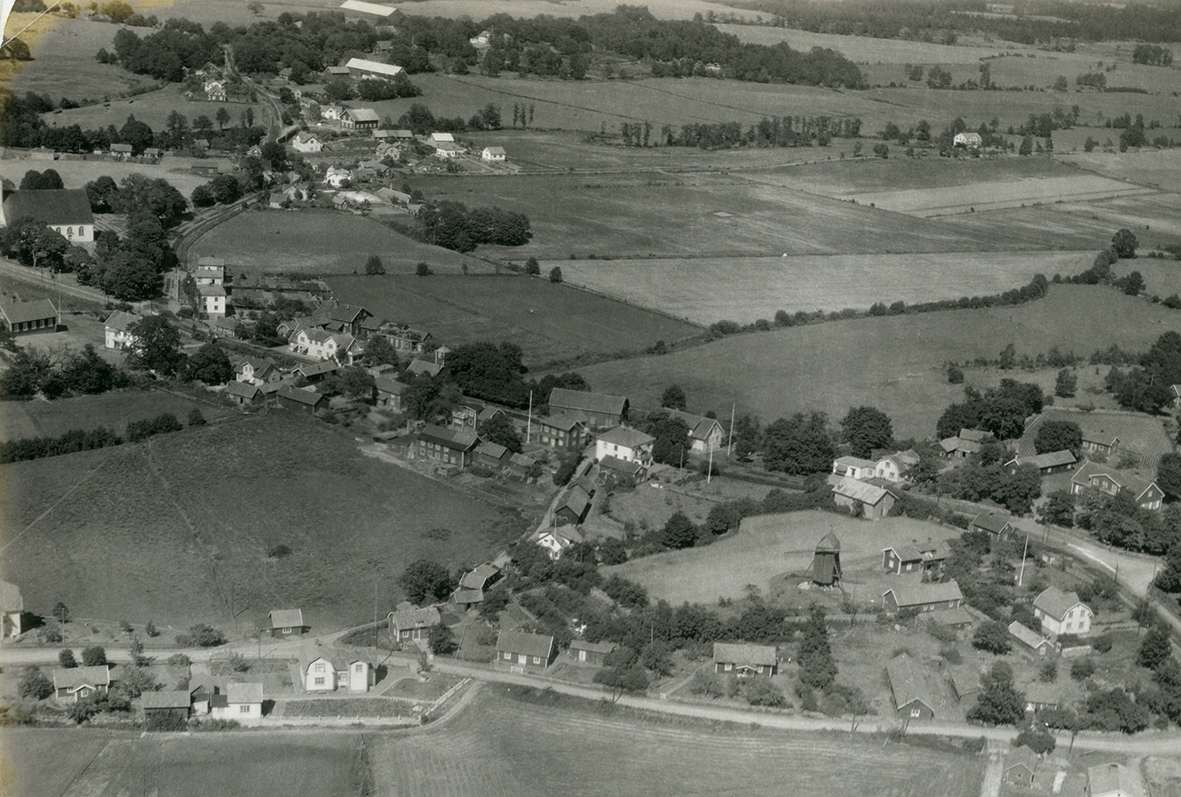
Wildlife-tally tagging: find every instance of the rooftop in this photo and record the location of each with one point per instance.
(584, 401)
(919, 594)
(737, 653)
(626, 437)
(21, 312)
(286, 618)
(528, 644)
(908, 683)
(1055, 602)
(50, 206)
(860, 491)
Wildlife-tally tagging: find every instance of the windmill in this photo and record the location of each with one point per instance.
(826, 562)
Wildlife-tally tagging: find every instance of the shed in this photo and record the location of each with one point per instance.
(286, 623)
(908, 684)
(522, 652)
(589, 653)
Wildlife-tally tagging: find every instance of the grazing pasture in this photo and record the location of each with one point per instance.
(865, 50)
(551, 747)
(745, 289)
(187, 528)
(151, 108)
(1161, 168)
(97, 762)
(767, 546)
(112, 410)
(894, 362)
(549, 321)
(321, 242)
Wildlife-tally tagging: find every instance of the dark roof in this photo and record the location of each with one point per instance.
(244, 693)
(1026, 636)
(930, 551)
(991, 521)
(74, 677)
(170, 698)
(587, 402)
(494, 450)
(20, 312)
(576, 501)
(614, 463)
(415, 618)
(300, 395)
(246, 390)
(52, 206)
(478, 578)
(563, 420)
(529, 644)
(593, 647)
(389, 384)
(451, 438)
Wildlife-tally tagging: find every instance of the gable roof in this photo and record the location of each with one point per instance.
(10, 598)
(918, 594)
(459, 440)
(21, 312)
(994, 522)
(563, 421)
(856, 462)
(700, 427)
(626, 437)
(246, 390)
(493, 450)
(1128, 480)
(168, 698)
(576, 501)
(389, 384)
(478, 578)
(738, 653)
(363, 114)
(593, 647)
(75, 677)
(1021, 757)
(929, 551)
(908, 683)
(1056, 603)
(376, 67)
(286, 618)
(120, 320)
(244, 693)
(50, 206)
(624, 465)
(587, 402)
(956, 443)
(415, 618)
(427, 367)
(300, 395)
(494, 150)
(1050, 459)
(538, 645)
(860, 491)
(1027, 636)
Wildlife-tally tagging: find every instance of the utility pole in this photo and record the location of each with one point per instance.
(730, 439)
(709, 473)
(1021, 575)
(529, 422)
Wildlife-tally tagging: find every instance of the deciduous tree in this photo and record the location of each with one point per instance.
(866, 428)
(426, 582)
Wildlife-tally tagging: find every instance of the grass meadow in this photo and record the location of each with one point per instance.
(52, 762)
(321, 242)
(893, 362)
(705, 290)
(549, 321)
(551, 747)
(112, 410)
(183, 529)
(77, 173)
(767, 546)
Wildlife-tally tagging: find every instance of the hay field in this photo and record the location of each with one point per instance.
(112, 410)
(891, 362)
(700, 215)
(866, 50)
(77, 173)
(179, 530)
(745, 289)
(767, 546)
(321, 242)
(549, 321)
(998, 195)
(1161, 168)
(97, 762)
(552, 746)
(64, 64)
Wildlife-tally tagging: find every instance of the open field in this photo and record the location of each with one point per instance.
(100, 763)
(77, 173)
(1161, 277)
(767, 546)
(863, 49)
(180, 530)
(64, 63)
(928, 202)
(112, 410)
(745, 289)
(321, 242)
(701, 215)
(548, 321)
(152, 108)
(1161, 168)
(891, 362)
(551, 747)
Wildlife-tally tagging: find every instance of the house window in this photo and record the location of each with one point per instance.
(359, 667)
(319, 680)
(728, 667)
(914, 712)
(243, 709)
(537, 659)
(508, 656)
(319, 667)
(286, 630)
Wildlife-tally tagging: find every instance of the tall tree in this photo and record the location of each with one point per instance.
(156, 346)
(673, 398)
(1168, 474)
(999, 702)
(1124, 244)
(426, 582)
(1058, 436)
(798, 445)
(866, 428)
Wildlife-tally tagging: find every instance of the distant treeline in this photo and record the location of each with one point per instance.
(544, 45)
(779, 131)
(944, 20)
(77, 440)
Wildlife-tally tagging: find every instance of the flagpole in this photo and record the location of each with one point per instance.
(730, 440)
(529, 422)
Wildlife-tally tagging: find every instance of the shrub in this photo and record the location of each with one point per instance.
(178, 660)
(66, 659)
(759, 691)
(151, 630)
(238, 662)
(1082, 669)
(35, 684)
(94, 656)
(202, 636)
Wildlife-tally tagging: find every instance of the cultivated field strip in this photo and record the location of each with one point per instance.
(928, 202)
